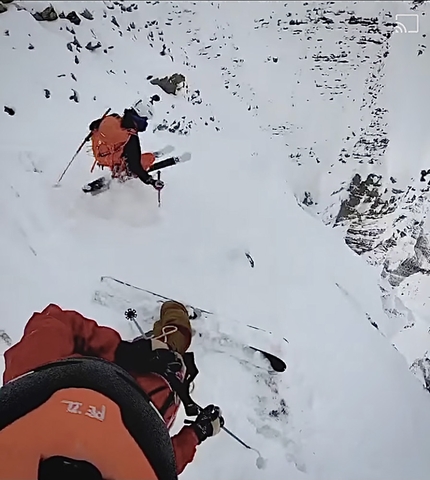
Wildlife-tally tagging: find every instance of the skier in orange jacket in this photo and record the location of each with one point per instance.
(115, 145)
(80, 402)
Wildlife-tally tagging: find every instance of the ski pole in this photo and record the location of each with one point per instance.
(138, 326)
(229, 432)
(232, 435)
(159, 191)
(79, 149)
(260, 462)
(226, 430)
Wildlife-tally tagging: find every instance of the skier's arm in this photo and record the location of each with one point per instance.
(184, 446)
(131, 119)
(208, 423)
(132, 154)
(54, 334)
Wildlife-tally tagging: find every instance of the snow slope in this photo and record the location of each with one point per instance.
(354, 411)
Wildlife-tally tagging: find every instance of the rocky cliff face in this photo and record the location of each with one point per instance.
(349, 177)
(383, 217)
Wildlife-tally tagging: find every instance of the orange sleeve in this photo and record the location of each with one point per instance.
(184, 445)
(54, 334)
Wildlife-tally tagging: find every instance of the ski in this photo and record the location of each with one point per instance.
(169, 162)
(185, 157)
(103, 183)
(275, 362)
(164, 151)
(193, 312)
(133, 298)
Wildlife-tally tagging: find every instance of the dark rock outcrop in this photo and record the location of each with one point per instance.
(418, 262)
(9, 110)
(171, 85)
(89, 46)
(48, 15)
(421, 368)
(73, 18)
(87, 14)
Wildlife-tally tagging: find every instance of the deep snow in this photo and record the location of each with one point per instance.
(354, 409)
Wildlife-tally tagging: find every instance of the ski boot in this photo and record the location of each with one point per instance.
(97, 186)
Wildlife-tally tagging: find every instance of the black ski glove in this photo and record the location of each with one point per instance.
(208, 422)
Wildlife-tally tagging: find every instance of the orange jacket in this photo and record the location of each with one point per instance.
(55, 334)
(108, 142)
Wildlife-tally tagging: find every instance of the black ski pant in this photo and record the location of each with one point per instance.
(168, 162)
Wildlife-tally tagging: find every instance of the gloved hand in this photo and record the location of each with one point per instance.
(208, 422)
(158, 184)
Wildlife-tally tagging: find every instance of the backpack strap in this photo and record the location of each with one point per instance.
(167, 367)
(181, 388)
(93, 165)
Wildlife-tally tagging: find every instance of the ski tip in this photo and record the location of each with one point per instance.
(282, 367)
(276, 363)
(164, 151)
(185, 157)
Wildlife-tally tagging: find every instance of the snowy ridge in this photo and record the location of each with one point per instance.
(347, 392)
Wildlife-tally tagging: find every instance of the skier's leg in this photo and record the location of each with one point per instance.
(168, 162)
(174, 314)
(147, 160)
